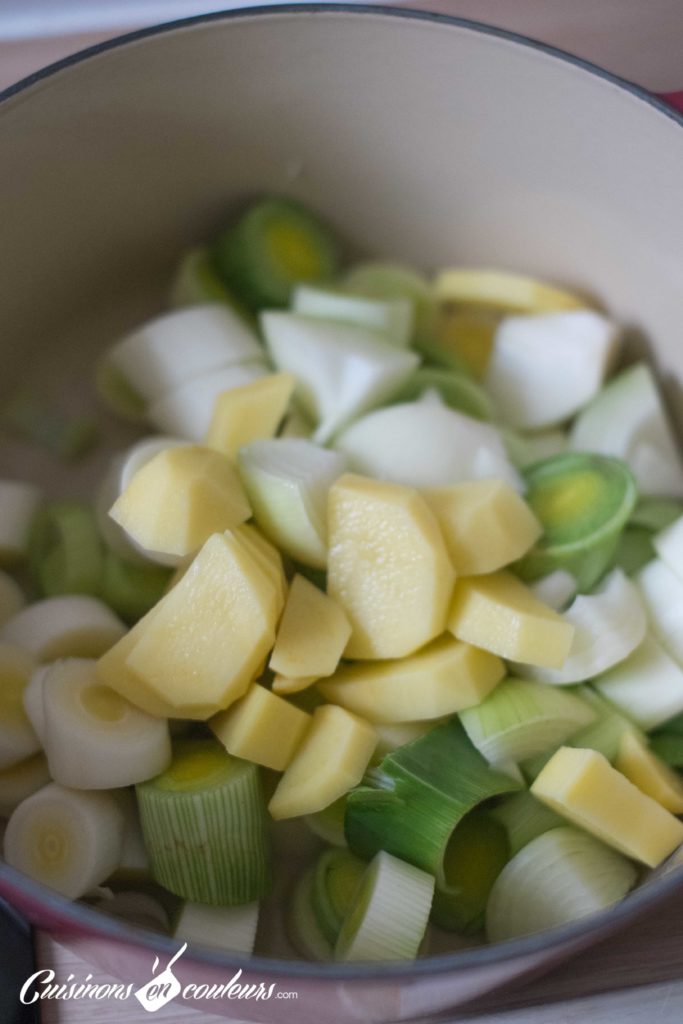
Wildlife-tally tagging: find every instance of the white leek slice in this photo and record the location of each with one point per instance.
(426, 444)
(165, 353)
(662, 592)
(94, 738)
(391, 317)
(12, 597)
(303, 929)
(544, 368)
(525, 818)
(628, 419)
(561, 876)
(287, 481)
(18, 739)
(608, 626)
(389, 913)
(20, 781)
(19, 503)
(342, 371)
(33, 700)
(230, 928)
(647, 686)
(521, 718)
(136, 907)
(72, 625)
(65, 838)
(121, 471)
(668, 544)
(134, 863)
(186, 412)
(556, 589)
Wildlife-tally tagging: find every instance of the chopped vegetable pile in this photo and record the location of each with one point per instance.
(381, 633)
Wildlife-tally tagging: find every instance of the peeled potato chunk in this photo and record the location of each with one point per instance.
(582, 786)
(445, 677)
(486, 525)
(261, 727)
(330, 761)
(497, 612)
(313, 633)
(650, 774)
(199, 648)
(179, 498)
(249, 413)
(388, 567)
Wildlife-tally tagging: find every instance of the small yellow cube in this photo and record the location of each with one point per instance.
(334, 753)
(387, 566)
(179, 498)
(444, 677)
(497, 612)
(249, 413)
(649, 773)
(485, 524)
(262, 728)
(313, 633)
(582, 786)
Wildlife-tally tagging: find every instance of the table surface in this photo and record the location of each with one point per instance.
(632, 978)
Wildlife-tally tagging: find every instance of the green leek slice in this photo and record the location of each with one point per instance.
(561, 876)
(476, 854)
(66, 553)
(276, 244)
(205, 826)
(410, 804)
(521, 718)
(668, 746)
(389, 914)
(328, 824)
(196, 283)
(132, 589)
(392, 317)
(583, 502)
(525, 818)
(655, 514)
(230, 928)
(335, 881)
(458, 390)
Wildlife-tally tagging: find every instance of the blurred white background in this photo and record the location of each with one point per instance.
(639, 39)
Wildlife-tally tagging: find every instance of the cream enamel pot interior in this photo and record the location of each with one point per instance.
(420, 137)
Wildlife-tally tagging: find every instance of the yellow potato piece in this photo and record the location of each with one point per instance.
(445, 677)
(649, 773)
(503, 290)
(205, 641)
(331, 760)
(179, 498)
(387, 566)
(497, 612)
(113, 671)
(313, 633)
(265, 553)
(287, 684)
(249, 413)
(261, 727)
(485, 524)
(583, 787)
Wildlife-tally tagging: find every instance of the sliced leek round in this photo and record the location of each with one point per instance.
(391, 317)
(229, 928)
(165, 353)
(71, 625)
(337, 876)
(521, 718)
(608, 626)
(18, 739)
(32, 699)
(65, 552)
(561, 876)
(557, 589)
(20, 781)
(476, 854)
(19, 503)
(524, 818)
(583, 502)
(389, 912)
(205, 827)
(94, 738)
(303, 929)
(65, 838)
